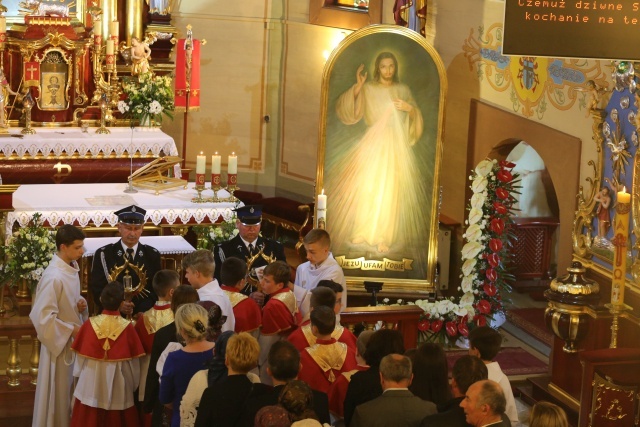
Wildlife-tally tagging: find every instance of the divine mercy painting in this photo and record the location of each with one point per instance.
(380, 150)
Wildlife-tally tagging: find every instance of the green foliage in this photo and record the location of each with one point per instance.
(147, 97)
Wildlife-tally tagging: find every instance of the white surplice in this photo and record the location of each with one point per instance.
(308, 276)
(54, 314)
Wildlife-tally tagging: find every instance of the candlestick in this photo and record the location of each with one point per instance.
(321, 211)
(97, 28)
(215, 163)
(201, 162)
(620, 241)
(114, 32)
(322, 200)
(232, 164)
(3, 24)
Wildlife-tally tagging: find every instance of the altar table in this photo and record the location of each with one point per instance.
(95, 204)
(66, 142)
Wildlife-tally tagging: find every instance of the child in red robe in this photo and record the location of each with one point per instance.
(246, 310)
(302, 337)
(324, 361)
(149, 322)
(280, 314)
(108, 353)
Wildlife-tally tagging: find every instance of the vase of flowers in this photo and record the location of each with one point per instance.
(27, 253)
(485, 257)
(211, 235)
(147, 99)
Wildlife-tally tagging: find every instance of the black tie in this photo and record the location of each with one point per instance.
(250, 248)
(130, 254)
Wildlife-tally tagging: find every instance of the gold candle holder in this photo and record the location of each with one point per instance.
(102, 130)
(27, 103)
(616, 310)
(232, 187)
(216, 181)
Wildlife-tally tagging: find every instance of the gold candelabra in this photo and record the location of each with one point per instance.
(616, 310)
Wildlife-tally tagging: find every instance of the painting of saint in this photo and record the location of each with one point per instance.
(381, 146)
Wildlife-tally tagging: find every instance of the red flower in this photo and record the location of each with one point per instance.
(452, 329)
(504, 176)
(495, 245)
(480, 320)
(502, 193)
(436, 325)
(497, 225)
(423, 325)
(491, 274)
(463, 329)
(493, 259)
(507, 164)
(490, 289)
(500, 208)
(484, 307)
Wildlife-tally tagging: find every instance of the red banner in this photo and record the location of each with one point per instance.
(182, 75)
(31, 74)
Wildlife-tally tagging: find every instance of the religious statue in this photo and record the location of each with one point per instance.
(379, 158)
(595, 102)
(161, 7)
(140, 55)
(5, 91)
(188, 52)
(602, 211)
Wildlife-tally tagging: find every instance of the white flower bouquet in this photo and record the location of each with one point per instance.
(147, 97)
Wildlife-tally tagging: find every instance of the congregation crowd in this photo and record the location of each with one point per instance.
(217, 352)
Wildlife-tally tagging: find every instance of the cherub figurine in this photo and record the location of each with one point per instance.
(602, 211)
(596, 97)
(140, 55)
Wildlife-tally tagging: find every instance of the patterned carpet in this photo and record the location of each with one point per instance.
(531, 320)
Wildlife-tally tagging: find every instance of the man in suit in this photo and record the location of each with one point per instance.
(484, 405)
(283, 366)
(466, 371)
(147, 258)
(397, 407)
(248, 243)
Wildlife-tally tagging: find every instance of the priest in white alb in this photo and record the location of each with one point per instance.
(58, 312)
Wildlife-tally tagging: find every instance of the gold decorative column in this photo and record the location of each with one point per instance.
(109, 14)
(134, 20)
(14, 370)
(34, 360)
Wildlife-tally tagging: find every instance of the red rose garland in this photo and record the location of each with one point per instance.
(485, 256)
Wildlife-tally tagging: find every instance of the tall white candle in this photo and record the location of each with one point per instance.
(322, 200)
(97, 28)
(114, 29)
(232, 167)
(110, 47)
(215, 163)
(201, 162)
(3, 24)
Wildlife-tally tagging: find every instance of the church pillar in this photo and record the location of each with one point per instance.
(134, 20)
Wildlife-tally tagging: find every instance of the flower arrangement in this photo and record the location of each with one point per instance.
(485, 256)
(27, 253)
(147, 97)
(211, 235)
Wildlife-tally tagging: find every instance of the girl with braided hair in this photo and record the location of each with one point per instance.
(191, 324)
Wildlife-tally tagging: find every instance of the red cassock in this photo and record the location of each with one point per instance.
(280, 314)
(323, 362)
(246, 311)
(150, 321)
(338, 391)
(302, 337)
(107, 338)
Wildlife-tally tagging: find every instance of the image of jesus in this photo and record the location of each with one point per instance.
(375, 186)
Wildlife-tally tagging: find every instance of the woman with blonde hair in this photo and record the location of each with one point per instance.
(191, 323)
(545, 414)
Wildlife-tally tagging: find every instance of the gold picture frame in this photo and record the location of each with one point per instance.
(383, 200)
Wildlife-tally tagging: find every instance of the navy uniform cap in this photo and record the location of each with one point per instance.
(250, 214)
(131, 215)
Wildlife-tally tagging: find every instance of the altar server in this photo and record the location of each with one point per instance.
(58, 312)
(320, 265)
(108, 352)
(144, 260)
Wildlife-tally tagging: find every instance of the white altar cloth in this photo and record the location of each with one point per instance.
(86, 204)
(64, 142)
(166, 245)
